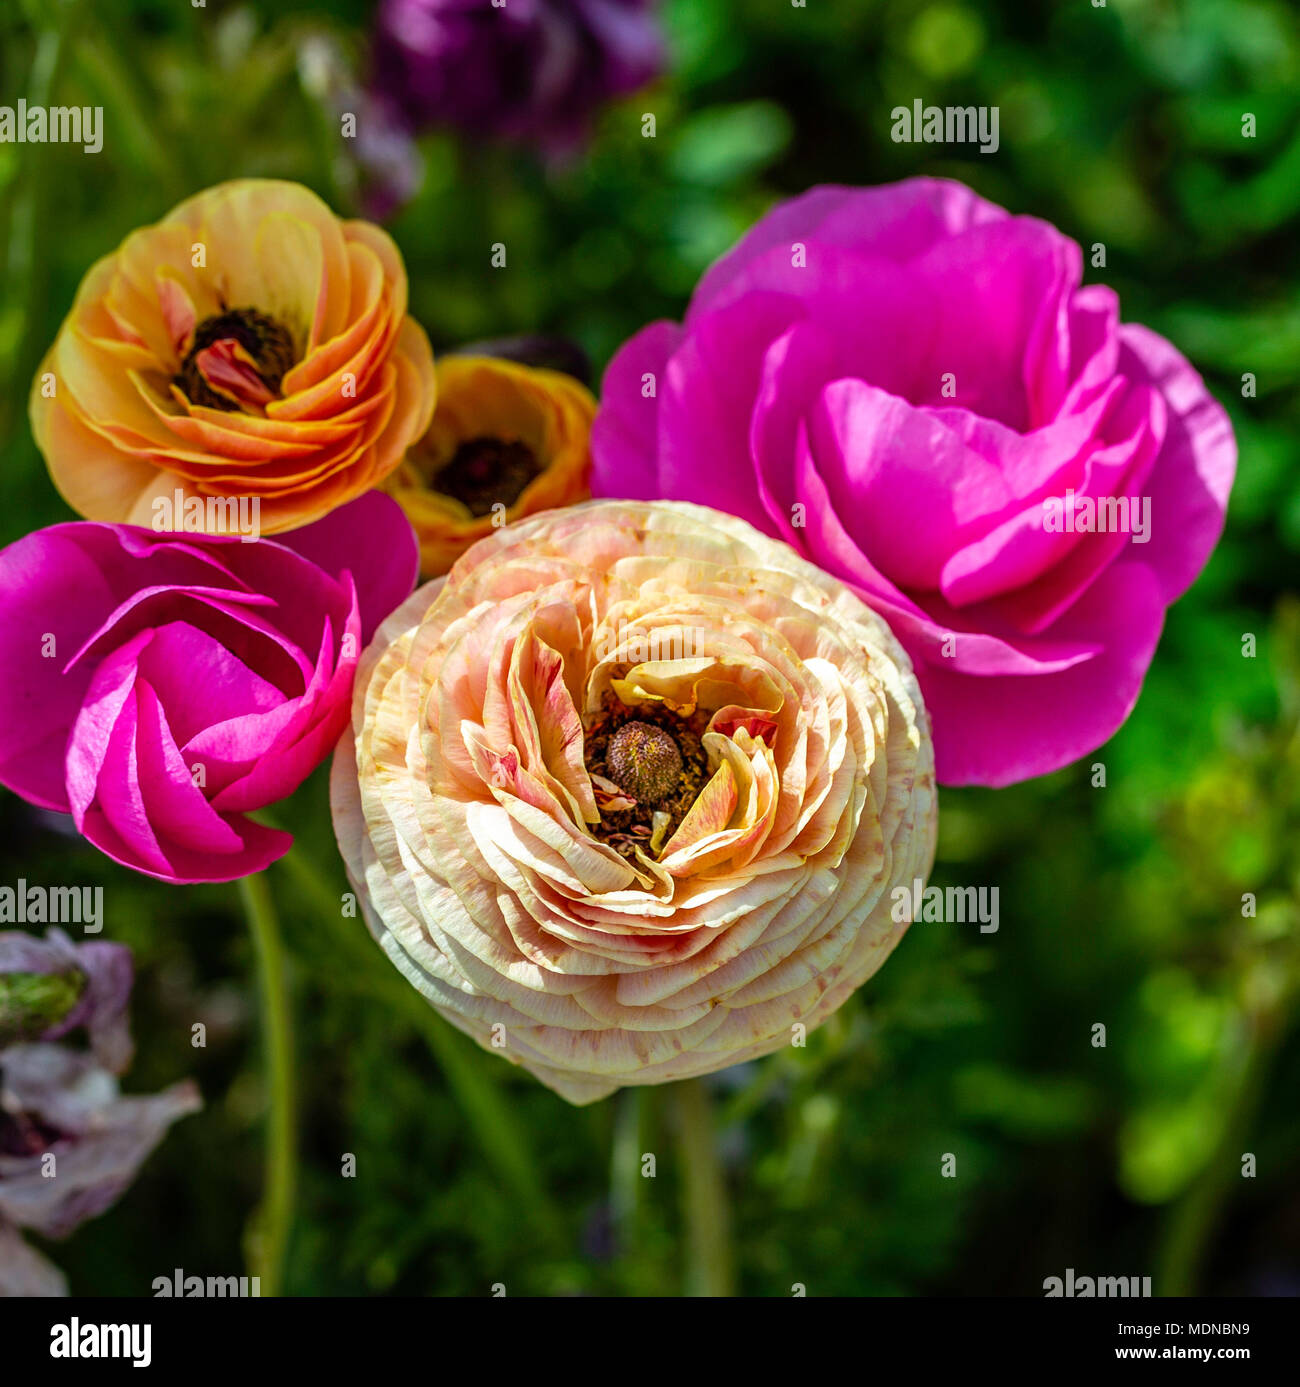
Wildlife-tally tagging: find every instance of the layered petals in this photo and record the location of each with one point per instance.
(599, 924)
(70, 1143)
(912, 388)
(249, 347)
(164, 687)
(73, 1112)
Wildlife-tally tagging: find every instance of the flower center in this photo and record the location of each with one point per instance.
(484, 472)
(644, 760)
(236, 361)
(32, 1003)
(651, 757)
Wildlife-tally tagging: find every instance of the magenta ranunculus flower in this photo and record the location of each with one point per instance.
(159, 687)
(909, 385)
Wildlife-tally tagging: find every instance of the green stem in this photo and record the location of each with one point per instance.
(1195, 1216)
(626, 1183)
(474, 1080)
(704, 1193)
(501, 1139)
(269, 1235)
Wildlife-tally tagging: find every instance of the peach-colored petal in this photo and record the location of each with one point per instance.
(477, 836)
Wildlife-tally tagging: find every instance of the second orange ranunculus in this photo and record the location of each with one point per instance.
(250, 345)
(507, 440)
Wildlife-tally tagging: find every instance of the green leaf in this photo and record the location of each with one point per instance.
(721, 145)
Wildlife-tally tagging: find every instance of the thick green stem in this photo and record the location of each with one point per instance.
(704, 1194)
(627, 1189)
(269, 1237)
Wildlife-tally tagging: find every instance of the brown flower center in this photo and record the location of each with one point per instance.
(484, 472)
(236, 361)
(655, 758)
(644, 760)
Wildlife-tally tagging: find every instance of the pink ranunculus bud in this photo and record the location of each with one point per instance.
(159, 686)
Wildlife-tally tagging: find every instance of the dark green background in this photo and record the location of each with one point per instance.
(1119, 905)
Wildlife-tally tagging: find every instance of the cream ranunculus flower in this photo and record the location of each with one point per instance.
(630, 790)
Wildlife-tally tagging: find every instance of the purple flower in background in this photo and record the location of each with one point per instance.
(381, 160)
(23, 1271)
(58, 1102)
(532, 70)
(51, 986)
(387, 158)
(70, 1144)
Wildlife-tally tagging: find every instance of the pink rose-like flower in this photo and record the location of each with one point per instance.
(909, 385)
(631, 792)
(159, 687)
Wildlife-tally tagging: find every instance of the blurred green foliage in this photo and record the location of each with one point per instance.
(1163, 906)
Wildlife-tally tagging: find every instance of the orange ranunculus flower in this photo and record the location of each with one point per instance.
(250, 345)
(506, 440)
